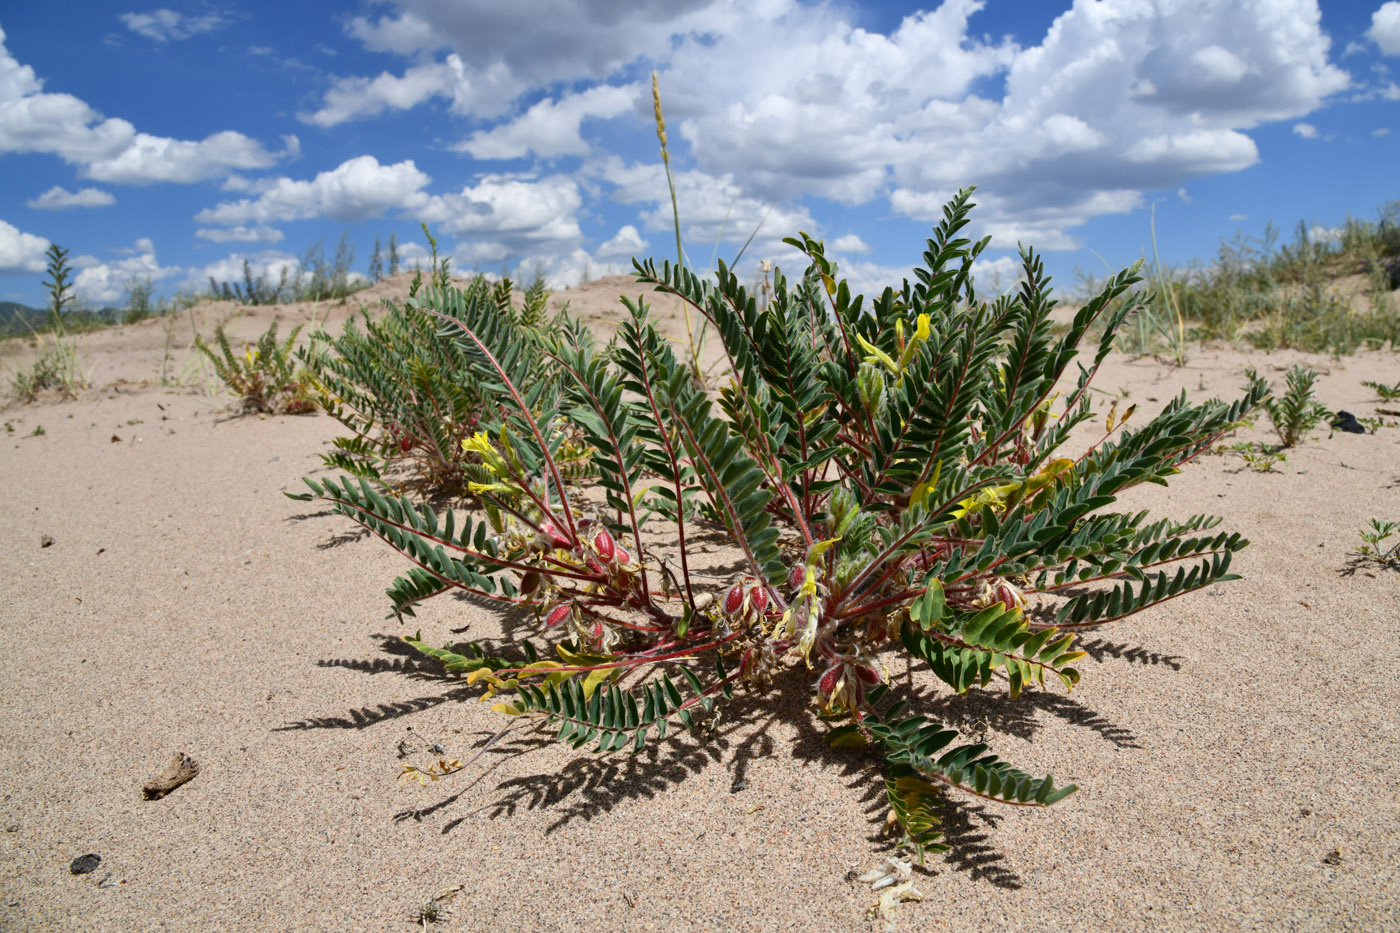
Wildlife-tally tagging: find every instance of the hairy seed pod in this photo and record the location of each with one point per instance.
(558, 614)
(734, 599)
(623, 557)
(406, 445)
(758, 598)
(870, 386)
(529, 582)
(796, 576)
(868, 674)
(603, 544)
(826, 686)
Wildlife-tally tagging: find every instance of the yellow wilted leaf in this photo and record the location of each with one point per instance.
(579, 658)
(486, 674)
(596, 678)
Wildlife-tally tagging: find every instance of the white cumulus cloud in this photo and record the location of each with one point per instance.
(358, 97)
(109, 149)
(850, 243)
(105, 283)
(1305, 130)
(357, 189)
(622, 246)
(551, 128)
(58, 198)
(19, 251)
(1385, 27)
(505, 215)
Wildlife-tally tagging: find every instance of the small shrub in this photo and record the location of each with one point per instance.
(1298, 411)
(1260, 458)
(408, 393)
(889, 477)
(139, 304)
(1372, 547)
(59, 285)
(57, 369)
(265, 377)
(1386, 393)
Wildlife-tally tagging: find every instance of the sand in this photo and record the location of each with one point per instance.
(1237, 750)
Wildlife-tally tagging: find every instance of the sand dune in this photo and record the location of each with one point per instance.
(1238, 750)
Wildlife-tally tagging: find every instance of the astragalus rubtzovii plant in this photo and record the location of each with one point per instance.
(889, 475)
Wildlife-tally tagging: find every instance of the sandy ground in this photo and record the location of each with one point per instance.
(1237, 750)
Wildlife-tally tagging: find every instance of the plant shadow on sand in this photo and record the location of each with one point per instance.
(587, 786)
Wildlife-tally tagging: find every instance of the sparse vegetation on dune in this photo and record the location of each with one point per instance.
(1327, 291)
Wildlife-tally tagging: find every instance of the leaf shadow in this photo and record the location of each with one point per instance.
(1100, 649)
(588, 787)
(738, 733)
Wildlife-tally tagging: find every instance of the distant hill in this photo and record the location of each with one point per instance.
(13, 317)
(17, 320)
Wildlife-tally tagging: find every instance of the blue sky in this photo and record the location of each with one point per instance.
(173, 142)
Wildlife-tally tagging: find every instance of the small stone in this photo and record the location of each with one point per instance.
(1333, 858)
(1346, 422)
(45, 541)
(85, 863)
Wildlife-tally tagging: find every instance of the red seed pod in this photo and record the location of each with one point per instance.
(406, 445)
(622, 556)
(758, 598)
(734, 599)
(529, 582)
(552, 535)
(558, 614)
(867, 673)
(826, 686)
(1005, 595)
(603, 544)
(797, 576)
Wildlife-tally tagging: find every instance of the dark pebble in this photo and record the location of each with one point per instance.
(85, 863)
(1346, 421)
